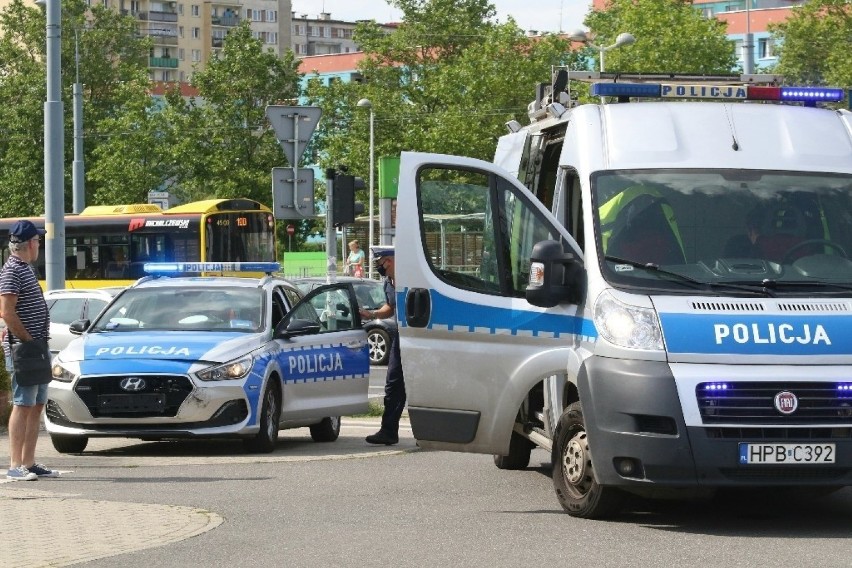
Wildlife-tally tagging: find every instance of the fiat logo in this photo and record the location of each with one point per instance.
(786, 402)
(136, 384)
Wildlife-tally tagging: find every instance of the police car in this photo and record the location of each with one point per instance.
(224, 356)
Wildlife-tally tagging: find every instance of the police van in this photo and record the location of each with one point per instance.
(178, 356)
(656, 291)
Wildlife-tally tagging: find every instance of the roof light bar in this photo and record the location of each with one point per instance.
(199, 267)
(723, 92)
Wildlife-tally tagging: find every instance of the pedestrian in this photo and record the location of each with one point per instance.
(25, 313)
(355, 261)
(388, 434)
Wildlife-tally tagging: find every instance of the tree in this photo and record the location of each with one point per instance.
(813, 44)
(112, 68)
(230, 149)
(447, 80)
(671, 37)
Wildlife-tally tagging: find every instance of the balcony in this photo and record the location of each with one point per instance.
(162, 37)
(162, 16)
(218, 41)
(229, 21)
(167, 62)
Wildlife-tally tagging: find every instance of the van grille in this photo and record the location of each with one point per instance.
(728, 306)
(814, 307)
(754, 403)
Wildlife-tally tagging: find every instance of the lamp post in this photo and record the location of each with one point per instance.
(620, 41)
(78, 171)
(748, 44)
(365, 103)
(54, 192)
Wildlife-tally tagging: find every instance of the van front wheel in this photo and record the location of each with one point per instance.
(573, 476)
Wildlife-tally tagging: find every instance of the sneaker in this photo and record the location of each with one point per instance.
(382, 438)
(20, 473)
(42, 470)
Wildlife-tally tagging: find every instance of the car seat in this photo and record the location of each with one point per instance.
(643, 232)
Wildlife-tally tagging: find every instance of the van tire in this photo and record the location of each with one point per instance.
(519, 454)
(573, 476)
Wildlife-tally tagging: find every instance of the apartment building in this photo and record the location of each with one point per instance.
(323, 35)
(743, 17)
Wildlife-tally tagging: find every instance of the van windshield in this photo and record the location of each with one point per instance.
(782, 233)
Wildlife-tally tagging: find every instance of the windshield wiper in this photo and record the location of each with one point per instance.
(651, 267)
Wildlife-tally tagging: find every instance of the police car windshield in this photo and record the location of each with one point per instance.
(730, 227)
(183, 308)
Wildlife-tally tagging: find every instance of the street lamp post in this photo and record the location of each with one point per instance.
(78, 171)
(620, 41)
(54, 192)
(365, 103)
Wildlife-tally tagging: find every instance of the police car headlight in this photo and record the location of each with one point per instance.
(627, 326)
(60, 373)
(229, 371)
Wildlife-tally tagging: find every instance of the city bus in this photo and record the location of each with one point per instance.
(107, 245)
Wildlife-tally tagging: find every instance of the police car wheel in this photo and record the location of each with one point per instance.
(327, 430)
(519, 454)
(379, 342)
(69, 444)
(267, 437)
(573, 476)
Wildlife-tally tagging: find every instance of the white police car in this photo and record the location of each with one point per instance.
(223, 356)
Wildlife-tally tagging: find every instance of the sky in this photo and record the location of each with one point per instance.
(547, 16)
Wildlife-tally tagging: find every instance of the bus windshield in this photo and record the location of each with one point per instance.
(240, 237)
(786, 232)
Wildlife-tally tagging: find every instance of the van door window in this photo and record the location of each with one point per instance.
(478, 231)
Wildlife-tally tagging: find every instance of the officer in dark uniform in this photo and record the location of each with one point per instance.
(394, 384)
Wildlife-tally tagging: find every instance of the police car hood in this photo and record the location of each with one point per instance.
(213, 347)
(756, 330)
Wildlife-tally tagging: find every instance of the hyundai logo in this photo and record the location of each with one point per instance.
(133, 384)
(786, 402)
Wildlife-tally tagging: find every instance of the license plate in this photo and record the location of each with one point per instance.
(795, 454)
(132, 402)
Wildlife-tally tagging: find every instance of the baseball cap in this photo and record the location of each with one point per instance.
(381, 252)
(24, 230)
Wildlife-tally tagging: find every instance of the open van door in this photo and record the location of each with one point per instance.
(472, 346)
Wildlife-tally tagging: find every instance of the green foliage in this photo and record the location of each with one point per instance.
(813, 44)
(671, 37)
(446, 81)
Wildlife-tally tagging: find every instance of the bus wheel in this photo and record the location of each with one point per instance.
(573, 476)
(519, 453)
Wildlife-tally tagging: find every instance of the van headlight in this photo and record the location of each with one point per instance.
(228, 371)
(62, 374)
(627, 326)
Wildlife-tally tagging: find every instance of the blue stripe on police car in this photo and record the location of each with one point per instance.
(757, 334)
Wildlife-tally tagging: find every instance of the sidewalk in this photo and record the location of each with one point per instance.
(76, 524)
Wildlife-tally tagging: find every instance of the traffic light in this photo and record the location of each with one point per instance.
(344, 209)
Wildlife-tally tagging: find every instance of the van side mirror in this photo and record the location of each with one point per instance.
(555, 276)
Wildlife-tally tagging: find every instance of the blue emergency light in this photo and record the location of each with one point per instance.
(807, 95)
(175, 268)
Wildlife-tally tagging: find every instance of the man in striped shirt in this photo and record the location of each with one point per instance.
(23, 308)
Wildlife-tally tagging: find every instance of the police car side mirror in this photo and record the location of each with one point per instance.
(296, 327)
(555, 276)
(77, 327)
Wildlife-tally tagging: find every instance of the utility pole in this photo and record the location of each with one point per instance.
(54, 142)
(78, 172)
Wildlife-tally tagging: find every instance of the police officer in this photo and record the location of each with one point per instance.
(394, 383)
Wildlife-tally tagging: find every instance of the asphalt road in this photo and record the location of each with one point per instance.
(350, 504)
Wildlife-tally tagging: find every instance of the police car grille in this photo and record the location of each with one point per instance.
(174, 388)
(754, 403)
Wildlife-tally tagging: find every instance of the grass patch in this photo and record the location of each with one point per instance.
(375, 409)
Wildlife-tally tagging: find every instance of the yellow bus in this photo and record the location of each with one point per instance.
(107, 245)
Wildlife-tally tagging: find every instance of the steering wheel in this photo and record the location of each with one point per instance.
(789, 254)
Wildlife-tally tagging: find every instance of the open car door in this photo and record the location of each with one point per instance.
(324, 357)
(472, 346)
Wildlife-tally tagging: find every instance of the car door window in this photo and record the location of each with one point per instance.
(478, 230)
(94, 307)
(66, 310)
(332, 307)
